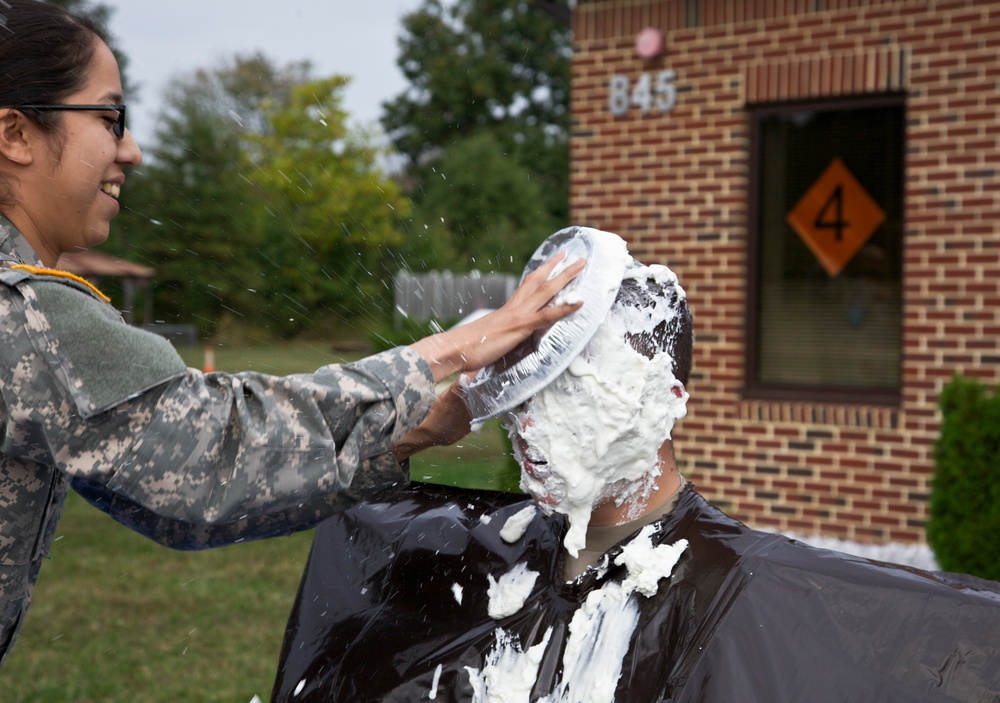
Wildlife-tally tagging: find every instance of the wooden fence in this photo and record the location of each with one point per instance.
(448, 297)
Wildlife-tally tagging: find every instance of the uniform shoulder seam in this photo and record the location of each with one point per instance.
(42, 271)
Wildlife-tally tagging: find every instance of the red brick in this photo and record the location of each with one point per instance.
(689, 170)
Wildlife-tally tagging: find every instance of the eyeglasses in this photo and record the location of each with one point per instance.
(118, 128)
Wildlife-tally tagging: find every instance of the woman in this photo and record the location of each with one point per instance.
(188, 459)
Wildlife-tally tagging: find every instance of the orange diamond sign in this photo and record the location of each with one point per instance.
(835, 217)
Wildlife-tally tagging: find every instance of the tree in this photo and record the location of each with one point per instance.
(259, 205)
(192, 214)
(332, 229)
(474, 217)
(494, 66)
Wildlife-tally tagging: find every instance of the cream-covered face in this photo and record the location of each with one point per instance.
(68, 193)
(594, 433)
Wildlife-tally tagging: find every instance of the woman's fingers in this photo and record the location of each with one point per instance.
(542, 285)
(482, 342)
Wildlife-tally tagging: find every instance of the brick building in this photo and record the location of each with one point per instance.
(823, 177)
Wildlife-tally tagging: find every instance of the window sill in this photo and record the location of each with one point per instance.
(875, 409)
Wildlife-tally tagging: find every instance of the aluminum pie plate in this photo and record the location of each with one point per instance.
(530, 367)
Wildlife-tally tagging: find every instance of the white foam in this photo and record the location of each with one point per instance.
(517, 524)
(509, 673)
(434, 683)
(508, 594)
(647, 564)
(600, 633)
(595, 431)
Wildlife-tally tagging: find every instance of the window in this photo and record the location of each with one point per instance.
(826, 225)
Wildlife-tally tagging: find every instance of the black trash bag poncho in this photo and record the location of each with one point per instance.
(746, 616)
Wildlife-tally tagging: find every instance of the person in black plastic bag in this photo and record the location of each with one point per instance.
(455, 595)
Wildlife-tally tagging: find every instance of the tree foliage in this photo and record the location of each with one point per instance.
(192, 214)
(472, 216)
(475, 67)
(332, 227)
(257, 203)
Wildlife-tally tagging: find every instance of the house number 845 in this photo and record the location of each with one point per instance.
(648, 93)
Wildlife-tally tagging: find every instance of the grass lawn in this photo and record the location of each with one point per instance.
(116, 618)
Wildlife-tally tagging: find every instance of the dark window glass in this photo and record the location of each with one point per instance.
(827, 329)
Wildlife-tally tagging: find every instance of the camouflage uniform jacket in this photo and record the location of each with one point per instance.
(190, 460)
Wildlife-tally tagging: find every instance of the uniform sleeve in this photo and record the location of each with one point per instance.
(230, 458)
(194, 460)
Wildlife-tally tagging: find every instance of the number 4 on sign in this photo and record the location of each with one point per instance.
(642, 96)
(835, 203)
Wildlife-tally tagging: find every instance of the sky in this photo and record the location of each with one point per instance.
(164, 39)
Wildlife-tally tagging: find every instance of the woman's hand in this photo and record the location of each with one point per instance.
(480, 343)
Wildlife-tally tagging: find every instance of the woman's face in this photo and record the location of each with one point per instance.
(82, 162)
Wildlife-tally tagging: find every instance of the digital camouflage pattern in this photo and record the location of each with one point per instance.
(188, 459)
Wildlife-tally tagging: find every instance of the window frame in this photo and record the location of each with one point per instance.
(757, 390)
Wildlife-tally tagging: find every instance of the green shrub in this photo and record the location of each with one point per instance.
(964, 524)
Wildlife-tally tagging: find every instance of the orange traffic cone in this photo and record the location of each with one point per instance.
(209, 365)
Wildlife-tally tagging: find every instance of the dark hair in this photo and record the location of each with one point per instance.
(45, 53)
(674, 335)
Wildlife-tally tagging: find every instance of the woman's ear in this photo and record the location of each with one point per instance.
(16, 136)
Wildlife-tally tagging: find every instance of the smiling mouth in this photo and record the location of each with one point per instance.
(112, 189)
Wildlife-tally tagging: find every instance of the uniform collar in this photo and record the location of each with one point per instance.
(600, 540)
(13, 246)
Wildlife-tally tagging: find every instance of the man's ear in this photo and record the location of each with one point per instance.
(666, 456)
(17, 134)
(678, 389)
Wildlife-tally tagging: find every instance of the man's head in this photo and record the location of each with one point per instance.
(656, 295)
(594, 434)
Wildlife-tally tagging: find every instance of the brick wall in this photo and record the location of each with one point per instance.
(675, 185)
